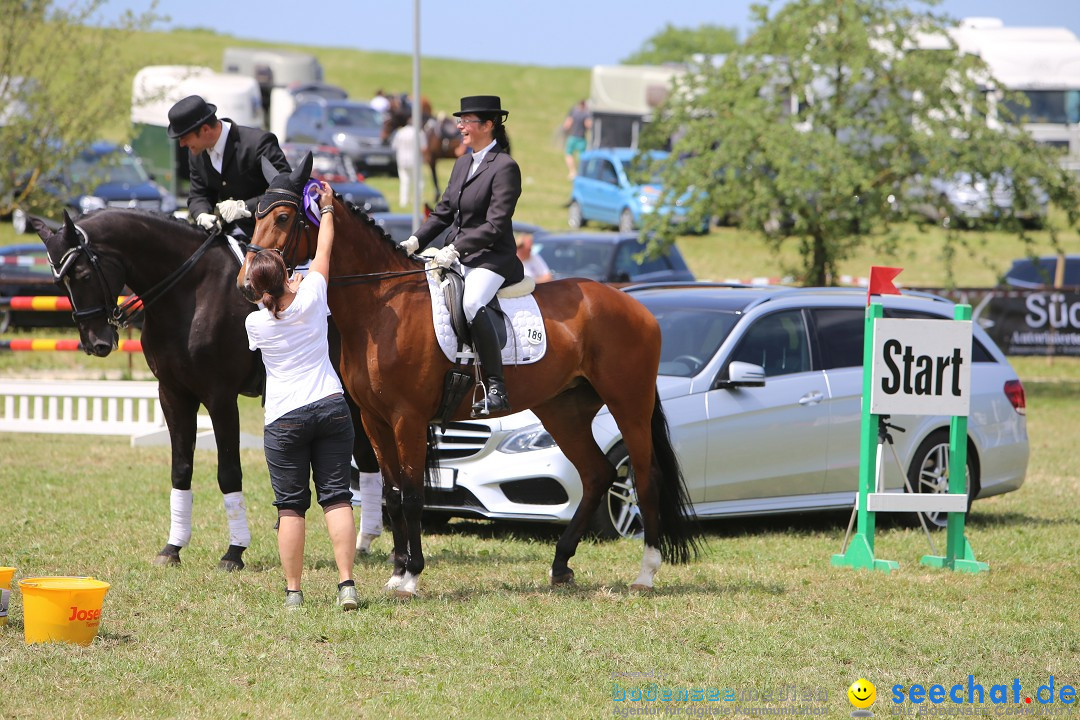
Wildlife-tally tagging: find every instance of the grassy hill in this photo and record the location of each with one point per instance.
(538, 98)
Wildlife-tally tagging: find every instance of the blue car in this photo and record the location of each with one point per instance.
(615, 186)
(104, 175)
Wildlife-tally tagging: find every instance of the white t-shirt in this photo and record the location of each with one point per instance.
(294, 350)
(535, 266)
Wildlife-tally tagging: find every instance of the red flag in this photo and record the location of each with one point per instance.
(881, 281)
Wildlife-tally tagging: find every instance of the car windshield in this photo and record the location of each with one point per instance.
(333, 167)
(89, 170)
(354, 116)
(576, 259)
(690, 336)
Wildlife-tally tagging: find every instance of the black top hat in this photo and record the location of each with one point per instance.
(189, 114)
(482, 104)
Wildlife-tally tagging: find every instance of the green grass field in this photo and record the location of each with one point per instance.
(760, 612)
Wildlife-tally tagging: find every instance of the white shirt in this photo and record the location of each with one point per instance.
(478, 157)
(535, 266)
(294, 350)
(217, 153)
(407, 144)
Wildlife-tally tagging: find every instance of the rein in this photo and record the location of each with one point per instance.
(122, 315)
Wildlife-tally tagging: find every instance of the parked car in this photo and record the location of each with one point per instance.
(609, 257)
(24, 271)
(762, 388)
(105, 175)
(330, 165)
(968, 200)
(354, 128)
(616, 186)
(399, 226)
(1040, 272)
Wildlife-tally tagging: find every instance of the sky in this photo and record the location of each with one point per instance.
(529, 32)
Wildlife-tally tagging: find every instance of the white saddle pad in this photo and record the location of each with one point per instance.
(526, 344)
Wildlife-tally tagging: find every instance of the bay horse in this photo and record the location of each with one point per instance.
(603, 348)
(193, 338)
(442, 139)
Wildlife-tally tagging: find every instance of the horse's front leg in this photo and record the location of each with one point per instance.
(411, 439)
(179, 409)
(226, 419)
(382, 437)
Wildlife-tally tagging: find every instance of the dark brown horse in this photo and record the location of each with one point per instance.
(440, 133)
(193, 338)
(603, 348)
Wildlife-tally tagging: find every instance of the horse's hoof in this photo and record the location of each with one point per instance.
(566, 578)
(230, 565)
(638, 587)
(393, 583)
(165, 559)
(400, 594)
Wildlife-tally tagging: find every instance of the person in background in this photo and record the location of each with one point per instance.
(309, 430)
(380, 102)
(409, 144)
(577, 123)
(534, 265)
(225, 165)
(478, 207)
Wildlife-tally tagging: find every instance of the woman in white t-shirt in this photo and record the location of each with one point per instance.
(308, 428)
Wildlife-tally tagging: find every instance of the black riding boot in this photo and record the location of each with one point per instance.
(486, 344)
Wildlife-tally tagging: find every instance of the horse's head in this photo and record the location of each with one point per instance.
(92, 280)
(280, 222)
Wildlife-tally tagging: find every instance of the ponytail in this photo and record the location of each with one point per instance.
(499, 133)
(266, 277)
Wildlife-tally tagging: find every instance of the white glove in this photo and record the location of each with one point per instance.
(411, 245)
(206, 221)
(232, 210)
(446, 257)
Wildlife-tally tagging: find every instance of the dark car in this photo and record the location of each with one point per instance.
(24, 272)
(354, 128)
(609, 257)
(1040, 272)
(330, 165)
(105, 175)
(399, 226)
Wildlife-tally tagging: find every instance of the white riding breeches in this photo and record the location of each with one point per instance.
(481, 285)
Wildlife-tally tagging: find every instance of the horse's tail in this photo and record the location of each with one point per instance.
(680, 533)
(431, 461)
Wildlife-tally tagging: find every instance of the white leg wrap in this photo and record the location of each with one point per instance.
(371, 485)
(180, 514)
(408, 584)
(650, 563)
(236, 513)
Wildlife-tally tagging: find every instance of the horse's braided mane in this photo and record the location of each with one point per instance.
(379, 230)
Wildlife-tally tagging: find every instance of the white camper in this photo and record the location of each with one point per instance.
(158, 87)
(1043, 63)
(622, 98)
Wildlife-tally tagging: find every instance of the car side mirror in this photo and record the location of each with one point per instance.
(743, 374)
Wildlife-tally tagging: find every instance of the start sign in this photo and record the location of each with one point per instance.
(921, 367)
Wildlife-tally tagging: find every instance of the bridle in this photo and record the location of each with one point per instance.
(275, 197)
(119, 315)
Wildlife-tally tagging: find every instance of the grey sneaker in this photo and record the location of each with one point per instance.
(294, 600)
(346, 597)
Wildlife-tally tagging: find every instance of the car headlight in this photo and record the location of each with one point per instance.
(527, 439)
(90, 202)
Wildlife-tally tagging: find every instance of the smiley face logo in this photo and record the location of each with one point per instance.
(862, 693)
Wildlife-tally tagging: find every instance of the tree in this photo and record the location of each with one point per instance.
(830, 119)
(680, 45)
(62, 80)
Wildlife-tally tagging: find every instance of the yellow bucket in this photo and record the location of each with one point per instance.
(62, 609)
(6, 574)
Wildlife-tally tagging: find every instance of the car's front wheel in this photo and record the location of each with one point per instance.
(929, 474)
(19, 221)
(618, 515)
(626, 221)
(574, 218)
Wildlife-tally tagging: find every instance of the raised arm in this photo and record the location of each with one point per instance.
(321, 263)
